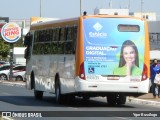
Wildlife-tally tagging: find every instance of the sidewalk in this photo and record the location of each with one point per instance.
(13, 82)
(145, 99)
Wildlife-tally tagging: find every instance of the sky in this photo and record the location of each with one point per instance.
(24, 9)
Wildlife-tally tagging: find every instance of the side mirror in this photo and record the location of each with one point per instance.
(28, 40)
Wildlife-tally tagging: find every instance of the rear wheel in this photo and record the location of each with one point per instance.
(118, 99)
(32, 81)
(112, 99)
(86, 97)
(59, 96)
(3, 77)
(121, 99)
(19, 78)
(38, 94)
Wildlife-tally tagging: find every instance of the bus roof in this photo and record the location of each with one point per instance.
(47, 24)
(49, 21)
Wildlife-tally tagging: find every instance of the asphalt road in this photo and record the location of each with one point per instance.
(17, 99)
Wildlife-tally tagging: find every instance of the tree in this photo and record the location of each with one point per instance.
(4, 48)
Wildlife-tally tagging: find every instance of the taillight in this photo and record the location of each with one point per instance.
(82, 72)
(144, 73)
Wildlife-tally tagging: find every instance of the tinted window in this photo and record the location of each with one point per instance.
(19, 68)
(128, 28)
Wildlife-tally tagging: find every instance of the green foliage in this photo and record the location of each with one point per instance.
(4, 48)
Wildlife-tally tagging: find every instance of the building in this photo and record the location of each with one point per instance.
(150, 16)
(154, 36)
(18, 55)
(112, 11)
(23, 23)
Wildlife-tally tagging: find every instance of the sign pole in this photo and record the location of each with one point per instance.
(11, 61)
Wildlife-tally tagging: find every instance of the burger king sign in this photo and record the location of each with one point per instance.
(11, 32)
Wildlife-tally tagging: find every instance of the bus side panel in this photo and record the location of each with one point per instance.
(147, 49)
(79, 47)
(66, 70)
(40, 72)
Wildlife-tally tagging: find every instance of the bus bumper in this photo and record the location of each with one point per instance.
(108, 87)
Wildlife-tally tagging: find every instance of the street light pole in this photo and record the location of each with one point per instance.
(40, 7)
(80, 7)
(110, 4)
(141, 7)
(11, 61)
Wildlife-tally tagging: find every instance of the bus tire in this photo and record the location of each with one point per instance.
(121, 99)
(69, 99)
(59, 96)
(86, 98)
(112, 99)
(32, 81)
(38, 94)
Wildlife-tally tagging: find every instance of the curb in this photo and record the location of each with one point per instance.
(144, 102)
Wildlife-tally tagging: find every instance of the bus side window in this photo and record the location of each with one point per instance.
(27, 40)
(46, 44)
(42, 36)
(74, 38)
(69, 41)
(36, 42)
(61, 41)
(54, 41)
(28, 44)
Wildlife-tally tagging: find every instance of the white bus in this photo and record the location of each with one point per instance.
(89, 56)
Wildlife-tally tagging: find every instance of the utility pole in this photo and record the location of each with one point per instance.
(141, 7)
(110, 4)
(80, 7)
(129, 5)
(40, 7)
(11, 61)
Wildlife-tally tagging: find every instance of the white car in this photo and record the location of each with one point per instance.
(5, 67)
(18, 73)
(4, 74)
(3, 63)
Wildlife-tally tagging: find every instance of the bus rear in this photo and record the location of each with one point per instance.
(112, 56)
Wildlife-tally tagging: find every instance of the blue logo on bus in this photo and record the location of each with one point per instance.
(90, 69)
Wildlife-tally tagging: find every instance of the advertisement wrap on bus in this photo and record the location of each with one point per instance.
(103, 40)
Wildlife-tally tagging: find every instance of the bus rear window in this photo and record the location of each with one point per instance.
(128, 28)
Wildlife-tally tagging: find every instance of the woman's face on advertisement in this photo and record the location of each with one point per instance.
(129, 54)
